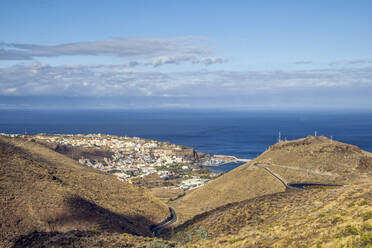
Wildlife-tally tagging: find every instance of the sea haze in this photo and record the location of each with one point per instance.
(239, 133)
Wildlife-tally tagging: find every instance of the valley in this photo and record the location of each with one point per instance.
(311, 192)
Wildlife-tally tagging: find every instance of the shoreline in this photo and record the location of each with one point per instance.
(225, 167)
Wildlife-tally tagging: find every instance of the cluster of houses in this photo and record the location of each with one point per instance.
(193, 183)
(133, 156)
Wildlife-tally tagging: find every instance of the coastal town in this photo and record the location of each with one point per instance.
(135, 160)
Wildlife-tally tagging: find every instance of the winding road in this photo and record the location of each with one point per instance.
(165, 223)
(172, 218)
(282, 180)
(297, 186)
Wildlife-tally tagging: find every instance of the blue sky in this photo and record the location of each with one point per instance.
(275, 52)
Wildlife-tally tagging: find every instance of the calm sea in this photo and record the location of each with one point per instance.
(243, 134)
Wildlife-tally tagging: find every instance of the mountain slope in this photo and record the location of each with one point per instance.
(339, 217)
(42, 190)
(318, 160)
(307, 160)
(243, 183)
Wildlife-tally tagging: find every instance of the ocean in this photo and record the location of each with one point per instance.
(244, 134)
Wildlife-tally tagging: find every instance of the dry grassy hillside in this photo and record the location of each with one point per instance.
(319, 160)
(42, 190)
(340, 217)
(243, 183)
(308, 160)
(247, 207)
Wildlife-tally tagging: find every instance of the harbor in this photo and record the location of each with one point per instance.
(224, 163)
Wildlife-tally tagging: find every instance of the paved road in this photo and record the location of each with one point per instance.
(165, 223)
(307, 171)
(172, 218)
(293, 185)
(277, 176)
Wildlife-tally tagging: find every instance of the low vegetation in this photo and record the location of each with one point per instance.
(306, 218)
(43, 191)
(48, 200)
(316, 160)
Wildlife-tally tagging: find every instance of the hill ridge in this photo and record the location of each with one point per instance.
(312, 160)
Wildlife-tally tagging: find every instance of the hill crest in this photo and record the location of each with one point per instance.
(316, 160)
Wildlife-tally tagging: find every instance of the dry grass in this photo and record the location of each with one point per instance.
(240, 184)
(90, 239)
(42, 190)
(330, 218)
(319, 159)
(247, 207)
(310, 160)
(167, 194)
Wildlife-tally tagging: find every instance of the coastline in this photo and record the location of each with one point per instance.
(225, 167)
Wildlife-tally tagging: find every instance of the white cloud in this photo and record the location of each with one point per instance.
(125, 47)
(9, 91)
(351, 62)
(105, 80)
(133, 51)
(303, 62)
(360, 61)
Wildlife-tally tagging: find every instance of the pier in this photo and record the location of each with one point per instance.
(233, 159)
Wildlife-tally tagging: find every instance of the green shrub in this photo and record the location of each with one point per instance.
(363, 203)
(366, 216)
(156, 244)
(322, 215)
(336, 220)
(233, 240)
(366, 240)
(351, 205)
(367, 227)
(350, 230)
(202, 233)
(96, 229)
(184, 237)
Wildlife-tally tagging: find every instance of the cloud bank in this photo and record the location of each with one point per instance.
(38, 79)
(139, 51)
(139, 78)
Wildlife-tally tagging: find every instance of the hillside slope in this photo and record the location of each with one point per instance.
(318, 160)
(240, 184)
(339, 217)
(307, 160)
(42, 190)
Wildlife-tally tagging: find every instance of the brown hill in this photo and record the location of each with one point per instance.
(243, 183)
(318, 160)
(42, 190)
(308, 160)
(338, 217)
